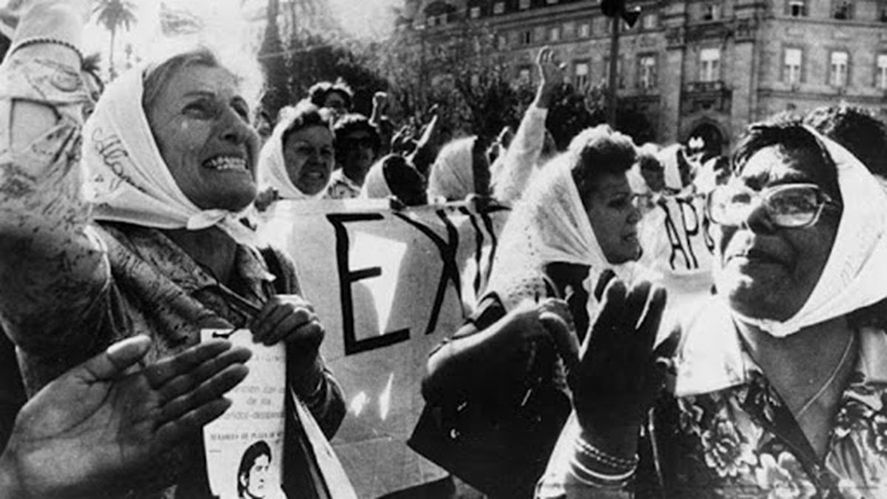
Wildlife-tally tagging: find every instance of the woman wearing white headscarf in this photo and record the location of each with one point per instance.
(296, 162)
(460, 170)
(576, 218)
(779, 382)
(154, 245)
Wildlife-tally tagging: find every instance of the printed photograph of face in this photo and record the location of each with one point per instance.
(253, 474)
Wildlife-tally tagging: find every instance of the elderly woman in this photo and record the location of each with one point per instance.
(155, 247)
(576, 218)
(779, 385)
(297, 160)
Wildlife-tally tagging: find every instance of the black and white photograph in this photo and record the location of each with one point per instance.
(443, 249)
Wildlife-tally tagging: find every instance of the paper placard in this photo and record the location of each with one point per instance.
(244, 447)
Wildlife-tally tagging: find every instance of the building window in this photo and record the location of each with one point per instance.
(796, 8)
(792, 66)
(581, 74)
(647, 71)
(551, 2)
(432, 21)
(711, 11)
(882, 13)
(881, 75)
(525, 37)
(650, 21)
(474, 13)
(499, 8)
(569, 30)
(554, 34)
(839, 62)
(524, 4)
(539, 34)
(709, 64)
(501, 42)
(842, 9)
(584, 30)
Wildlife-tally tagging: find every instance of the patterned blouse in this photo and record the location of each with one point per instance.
(727, 432)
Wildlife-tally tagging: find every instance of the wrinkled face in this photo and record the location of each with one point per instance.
(309, 157)
(768, 272)
(614, 218)
(200, 124)
(358, 154)
(256, 481)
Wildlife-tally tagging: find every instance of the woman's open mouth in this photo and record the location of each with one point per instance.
(226, 163)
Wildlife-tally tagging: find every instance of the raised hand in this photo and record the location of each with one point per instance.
(85, 431)
(620, 374)
(551, 76)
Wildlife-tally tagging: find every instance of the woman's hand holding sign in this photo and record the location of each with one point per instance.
(291, 319)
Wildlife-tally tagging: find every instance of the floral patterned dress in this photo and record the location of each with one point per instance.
(726, 432)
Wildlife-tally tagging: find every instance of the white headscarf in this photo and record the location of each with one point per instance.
(126, 177)
(375, 185)
(549, 224)
(855, 274)
(452, 175)
(271, 172)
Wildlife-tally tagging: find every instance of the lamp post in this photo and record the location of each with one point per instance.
(616, 11)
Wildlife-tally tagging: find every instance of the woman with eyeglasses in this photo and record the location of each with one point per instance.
(777, 387)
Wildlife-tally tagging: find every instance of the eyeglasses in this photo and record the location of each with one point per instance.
(790, 206)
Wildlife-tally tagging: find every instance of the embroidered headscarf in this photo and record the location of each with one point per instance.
(126, 178)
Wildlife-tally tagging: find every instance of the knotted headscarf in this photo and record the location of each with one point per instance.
(855, 274)
(126, 178)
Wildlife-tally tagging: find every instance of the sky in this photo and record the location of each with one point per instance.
(361, 18)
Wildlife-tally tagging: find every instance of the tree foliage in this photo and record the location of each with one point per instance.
(113, 15)
(273, 60)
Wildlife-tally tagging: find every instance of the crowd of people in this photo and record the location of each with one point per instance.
(658, 321)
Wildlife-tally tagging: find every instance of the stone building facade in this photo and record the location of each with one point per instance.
(696, 67)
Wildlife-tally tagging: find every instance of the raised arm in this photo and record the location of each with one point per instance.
(513, 169)
(55, 275)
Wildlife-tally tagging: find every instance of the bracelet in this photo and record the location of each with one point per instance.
(37, 40)
(596, 479)
(602, 457)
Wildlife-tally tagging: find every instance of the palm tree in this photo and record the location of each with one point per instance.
(114, 14)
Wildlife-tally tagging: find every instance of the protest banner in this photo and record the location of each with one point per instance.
(679, 249)
(388, 286)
